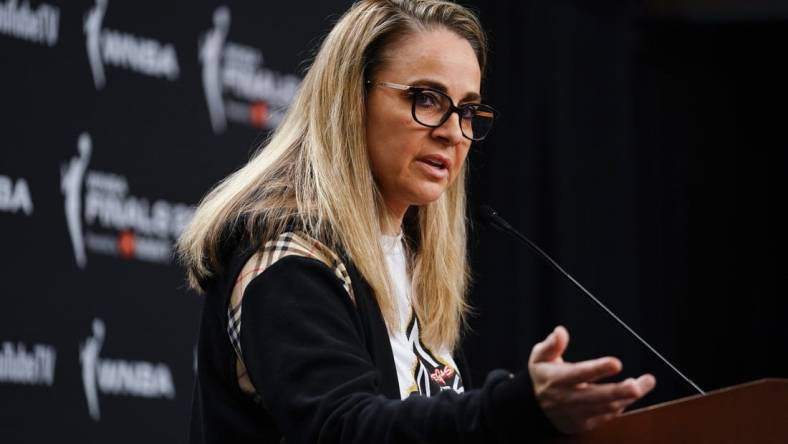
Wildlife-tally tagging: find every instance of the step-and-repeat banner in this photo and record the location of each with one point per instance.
(116, 117)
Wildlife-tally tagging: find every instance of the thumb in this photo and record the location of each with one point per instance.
(552, 347)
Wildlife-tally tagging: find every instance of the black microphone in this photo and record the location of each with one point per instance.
(490, 217)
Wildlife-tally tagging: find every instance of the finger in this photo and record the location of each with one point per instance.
(604, 408)
(552, 347)
(586, 371)
(598, 420)
(646, 383)
(628, 389)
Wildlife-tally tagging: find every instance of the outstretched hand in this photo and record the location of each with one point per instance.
(567, 392)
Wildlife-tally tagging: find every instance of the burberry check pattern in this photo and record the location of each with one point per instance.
(287, 244)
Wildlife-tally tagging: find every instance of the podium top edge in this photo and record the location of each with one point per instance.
(721, 391)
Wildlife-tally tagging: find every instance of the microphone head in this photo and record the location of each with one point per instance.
(490, 217)
(485, 214)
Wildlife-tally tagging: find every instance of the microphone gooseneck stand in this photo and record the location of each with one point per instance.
(491, 217)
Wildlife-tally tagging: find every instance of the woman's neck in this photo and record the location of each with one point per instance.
(391, 223)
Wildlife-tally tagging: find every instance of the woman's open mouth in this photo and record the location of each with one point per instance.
(435, 166)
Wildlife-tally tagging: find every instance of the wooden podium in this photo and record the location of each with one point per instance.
(755, 412)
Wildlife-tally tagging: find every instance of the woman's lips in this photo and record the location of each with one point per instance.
(434, 169)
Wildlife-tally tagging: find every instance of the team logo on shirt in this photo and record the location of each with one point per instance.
(431, 375)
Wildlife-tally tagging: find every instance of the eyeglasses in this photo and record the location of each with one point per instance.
(432, 108)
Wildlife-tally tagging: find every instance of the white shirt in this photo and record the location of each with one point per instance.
(419, 369)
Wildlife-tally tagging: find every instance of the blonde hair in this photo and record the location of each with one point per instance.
(314, 174)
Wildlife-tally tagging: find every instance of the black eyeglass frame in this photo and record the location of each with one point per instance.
(452, 108)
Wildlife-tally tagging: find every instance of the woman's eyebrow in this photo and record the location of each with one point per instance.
(469, 97)
(472, 97)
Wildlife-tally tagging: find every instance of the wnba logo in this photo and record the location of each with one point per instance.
(107, 220)
(237, 86)
(119, 377)
(71, 174)
(142, 55)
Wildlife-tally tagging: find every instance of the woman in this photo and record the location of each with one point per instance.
(334, 262)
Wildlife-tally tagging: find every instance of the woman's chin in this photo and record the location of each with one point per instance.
(428, 194)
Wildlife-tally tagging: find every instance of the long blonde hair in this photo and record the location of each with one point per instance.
(314, 173)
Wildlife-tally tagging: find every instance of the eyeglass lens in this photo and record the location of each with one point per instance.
(430, 108)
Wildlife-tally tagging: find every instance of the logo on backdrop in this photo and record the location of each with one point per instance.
(106, 219)
(71, 174)
(34, 367)
(118, 377)
(238, 88)
(37, 25)
(115, 48)
(15, 196)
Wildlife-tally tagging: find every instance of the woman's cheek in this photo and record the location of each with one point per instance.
(462, 156)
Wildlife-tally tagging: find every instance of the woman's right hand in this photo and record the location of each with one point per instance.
(567, 392)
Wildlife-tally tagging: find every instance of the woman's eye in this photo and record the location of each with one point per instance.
(426, 100)
(468, 112)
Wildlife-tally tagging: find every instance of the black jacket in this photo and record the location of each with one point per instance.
(322, 366)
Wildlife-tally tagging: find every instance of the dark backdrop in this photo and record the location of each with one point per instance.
(641, 147)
